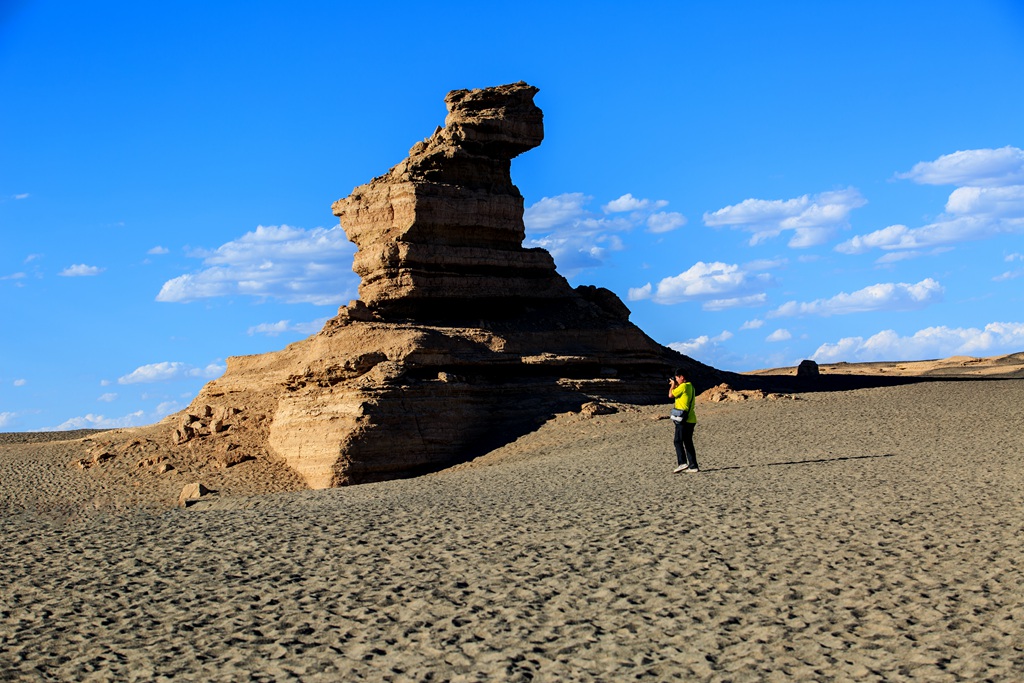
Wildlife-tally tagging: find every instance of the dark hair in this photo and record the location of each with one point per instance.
(680, 372)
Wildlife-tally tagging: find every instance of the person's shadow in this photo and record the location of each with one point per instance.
(798, 462)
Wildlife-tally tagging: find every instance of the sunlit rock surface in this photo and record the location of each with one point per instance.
(462, 339)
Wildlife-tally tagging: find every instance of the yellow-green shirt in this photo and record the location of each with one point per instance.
(685, 400)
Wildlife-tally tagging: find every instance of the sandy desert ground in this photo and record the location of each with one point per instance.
(871, 534)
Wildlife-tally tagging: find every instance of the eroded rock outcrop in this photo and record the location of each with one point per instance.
(727, 394)
(445, 227)
(461, 339)
(808, 369)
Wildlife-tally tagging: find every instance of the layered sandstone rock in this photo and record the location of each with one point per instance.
(445, 227)
(462, 338)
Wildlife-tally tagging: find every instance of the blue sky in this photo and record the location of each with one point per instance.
(759, 182)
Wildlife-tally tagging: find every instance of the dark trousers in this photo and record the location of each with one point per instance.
(686, 454)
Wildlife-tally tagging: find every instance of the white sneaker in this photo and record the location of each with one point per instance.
(691, 470)
(681, 468)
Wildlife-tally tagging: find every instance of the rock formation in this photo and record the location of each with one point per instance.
(461, 339)
(443, 231)
(724, 393)
(807, 369)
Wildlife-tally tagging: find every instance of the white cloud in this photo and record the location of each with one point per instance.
(211, 371)
(1006, 217)
(719, 285)
(133, 419)
(735, 302)
(6, 418)
(107, 398)
(166, 408)
(551, 212)
(897, 256)
(665, 221)
(640, 293)
(154, 372)
(270, 329)
(779, 335)
(931, 342)
(92, 421)
(159, 250)
(168, 370)
(274, 329)
(81, 270)
(972, 167)
(20, 382)
(1009, 275)
(886, 238)
(766, 264)
(813, 219)
(701, 345)
(885, 296)
(280, 262)
(628, 202)
(584, 244)
(754, 324)
(989, 202)
(23, 195)
(578, 238)
(809, 237)
(14, 276)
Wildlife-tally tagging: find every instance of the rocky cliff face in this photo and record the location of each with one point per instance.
(444, 228)
(461, 338)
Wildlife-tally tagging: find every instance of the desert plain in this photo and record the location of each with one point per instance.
(867, 534)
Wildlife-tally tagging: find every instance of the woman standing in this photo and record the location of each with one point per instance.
(684, 416)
